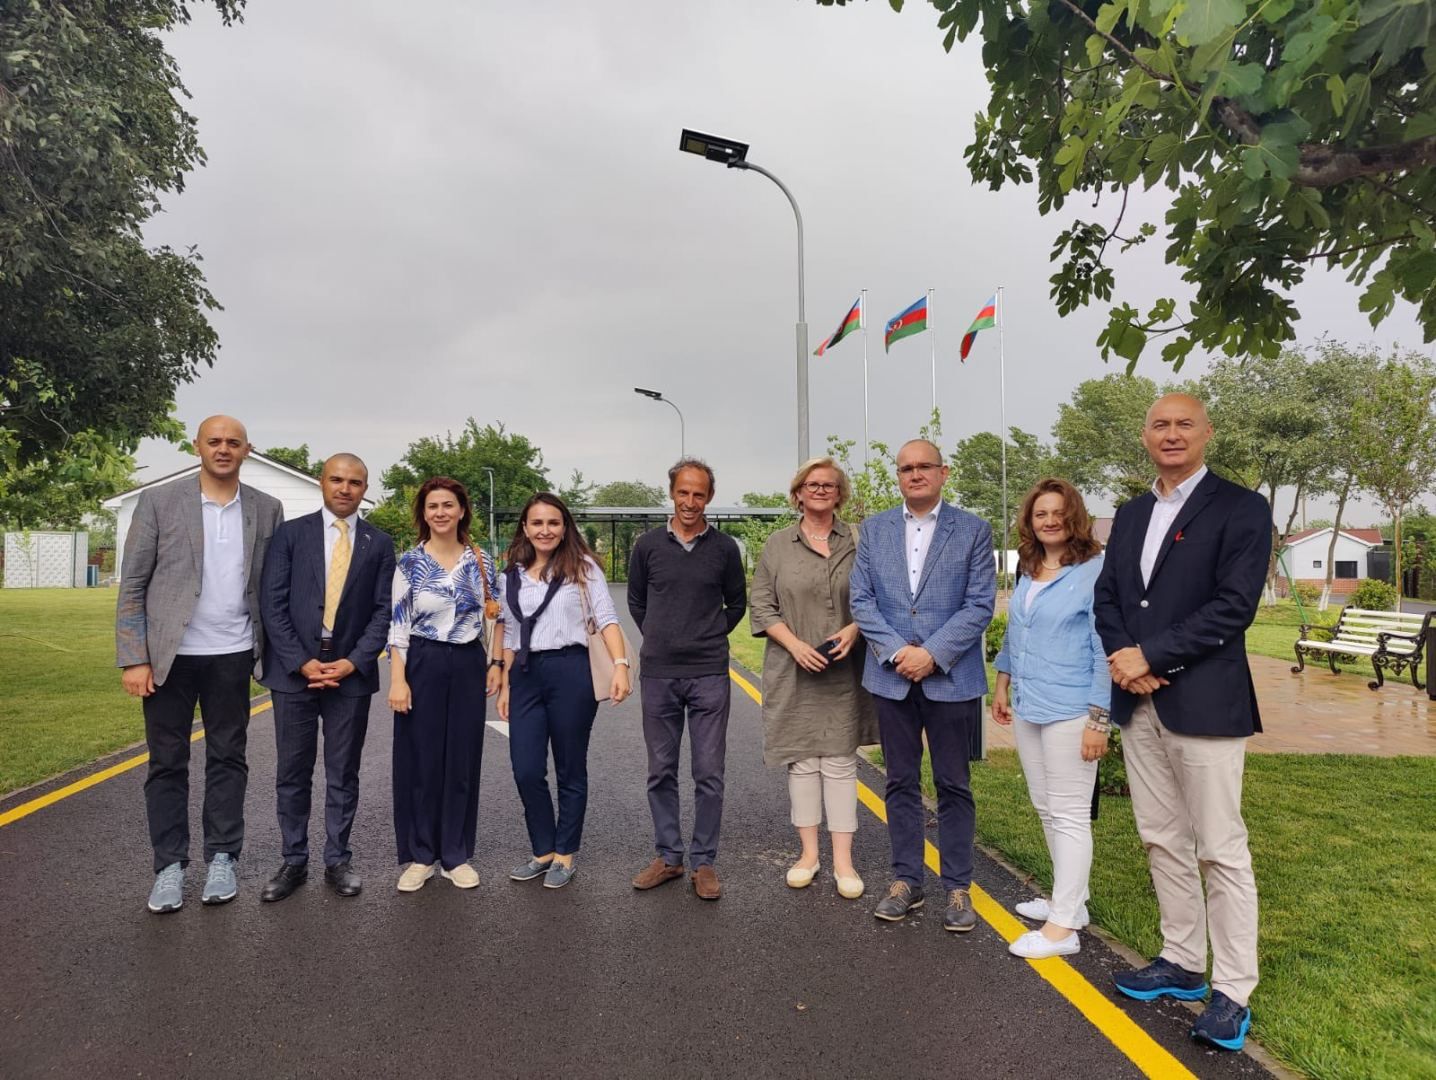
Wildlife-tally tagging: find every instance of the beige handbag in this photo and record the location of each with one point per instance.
(600, 664)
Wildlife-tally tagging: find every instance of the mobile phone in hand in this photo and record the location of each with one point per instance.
(827, 648)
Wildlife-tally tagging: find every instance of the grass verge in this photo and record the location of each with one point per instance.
(1345, 855)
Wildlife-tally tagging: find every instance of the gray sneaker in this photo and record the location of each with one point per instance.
(221, 886)
(558, 875)
(530, 870)
(168, 891)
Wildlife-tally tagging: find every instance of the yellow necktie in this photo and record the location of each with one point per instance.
(338, 571)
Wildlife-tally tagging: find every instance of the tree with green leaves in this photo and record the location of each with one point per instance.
(629, 493)
(977, 476)
(97, 330)
(1098, 436)
(1289, 135)
(67, 484)
(296, 457)
(1393, 427)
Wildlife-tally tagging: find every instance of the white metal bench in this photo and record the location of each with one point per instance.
(1394, 640)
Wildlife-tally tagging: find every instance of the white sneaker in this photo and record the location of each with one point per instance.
(463, 875)
(1034, 945)
(414, 876)
(1040, 910)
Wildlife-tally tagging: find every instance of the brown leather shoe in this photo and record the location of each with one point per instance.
(706, 883)
(656, 873)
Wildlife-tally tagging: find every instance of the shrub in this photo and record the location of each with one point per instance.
(996, 631)
(1375, 595)
(1112, 769)
(1307, 593)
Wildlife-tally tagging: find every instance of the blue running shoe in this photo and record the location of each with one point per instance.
(1223, 1024)
(221, 885)
(1162, 978)
(168, 891)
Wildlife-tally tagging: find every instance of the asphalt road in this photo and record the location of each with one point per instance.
(512, 979)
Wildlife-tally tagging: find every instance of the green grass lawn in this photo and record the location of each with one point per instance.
(62, 705)
(1345, 854)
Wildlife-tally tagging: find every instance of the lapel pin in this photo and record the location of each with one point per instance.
(1178, 538)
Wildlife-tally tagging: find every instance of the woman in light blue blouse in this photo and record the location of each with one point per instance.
(440, 677)
(1054, 688)
(551, 589)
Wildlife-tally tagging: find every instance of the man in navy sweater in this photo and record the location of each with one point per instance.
(686, 591)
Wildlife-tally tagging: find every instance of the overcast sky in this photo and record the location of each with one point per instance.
(414, 213)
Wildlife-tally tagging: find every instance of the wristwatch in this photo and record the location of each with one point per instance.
(497, 663)
(624, 661)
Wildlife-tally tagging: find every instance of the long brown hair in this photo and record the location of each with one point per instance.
(569, 562)
(447, 483)
(1081, 545)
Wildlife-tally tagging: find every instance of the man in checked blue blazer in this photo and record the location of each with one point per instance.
(325, 603)
(923, 586)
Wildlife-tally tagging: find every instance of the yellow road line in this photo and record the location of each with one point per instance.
(1123, 1032)
(52, 797)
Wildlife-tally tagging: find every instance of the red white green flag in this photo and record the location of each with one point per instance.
(986, 320)
(852, 321)
(910, 320)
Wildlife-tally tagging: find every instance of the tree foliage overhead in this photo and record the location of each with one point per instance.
(96, 329)
(1291, 134)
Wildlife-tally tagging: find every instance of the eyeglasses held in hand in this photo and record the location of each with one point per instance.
(815, 488)
(921, 466)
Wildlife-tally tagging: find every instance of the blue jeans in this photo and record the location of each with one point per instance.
(704, 701)
(949, 726)
(552, 704)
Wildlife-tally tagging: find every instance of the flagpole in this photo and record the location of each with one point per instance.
(1002, 391)
(863, 322)
(933, 335)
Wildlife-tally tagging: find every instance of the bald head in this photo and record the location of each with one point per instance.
(353, 461)
(926, 444)
(222, 422)
(222, 445)
(1176, 435)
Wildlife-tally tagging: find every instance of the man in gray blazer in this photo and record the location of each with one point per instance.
(923, 587)
(187, 631)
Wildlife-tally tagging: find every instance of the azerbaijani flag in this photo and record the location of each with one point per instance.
(909, 321)
(853, 320)
(986, 320)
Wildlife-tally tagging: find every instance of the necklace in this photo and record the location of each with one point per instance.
(1045, 566)
(819, 539)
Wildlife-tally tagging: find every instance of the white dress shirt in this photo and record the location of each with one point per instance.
(220, 623)
(918, 532)
(562, 622)
(331, 537)
(1163, 514)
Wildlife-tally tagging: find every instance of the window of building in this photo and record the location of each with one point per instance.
(1316, 564)
(1346, 569)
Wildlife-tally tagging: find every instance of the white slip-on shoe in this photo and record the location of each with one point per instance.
(800, 877)
(849, 888)
(1039, 909)
(414, 876)
(1034, 945)
(463, 875)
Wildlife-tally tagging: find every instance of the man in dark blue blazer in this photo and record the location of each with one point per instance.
(1180, 584)
(923, 587)
(325, 604)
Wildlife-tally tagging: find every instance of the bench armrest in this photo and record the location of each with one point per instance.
(1307, 630)
(1386, 635)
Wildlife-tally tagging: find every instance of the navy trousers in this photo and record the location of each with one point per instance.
(704, 700)
(551, 704)
(438, 748)
(297, 719)
(949, 726)
(220, 686)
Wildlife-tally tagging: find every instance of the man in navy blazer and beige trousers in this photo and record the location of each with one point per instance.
(327, 585)
(1180, 584)
(923, 586)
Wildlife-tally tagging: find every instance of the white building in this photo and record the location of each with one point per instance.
(1304, 558)
(297, 491)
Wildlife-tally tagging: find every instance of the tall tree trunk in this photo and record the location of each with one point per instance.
(1275, 543)
(1398, 557)
(1331, 548)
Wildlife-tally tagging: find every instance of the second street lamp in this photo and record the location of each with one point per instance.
(735, 156)
(657, 395)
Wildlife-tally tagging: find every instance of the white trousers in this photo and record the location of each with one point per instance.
(1187, 798)
(1060, 784)
(830, 783)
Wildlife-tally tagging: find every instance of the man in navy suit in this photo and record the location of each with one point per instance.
(923, 586)
(1180, 584)
(325, 604)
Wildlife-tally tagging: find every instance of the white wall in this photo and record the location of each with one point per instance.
(1302, 558)
(46, 560)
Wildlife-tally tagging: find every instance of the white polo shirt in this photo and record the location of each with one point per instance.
(220, 623)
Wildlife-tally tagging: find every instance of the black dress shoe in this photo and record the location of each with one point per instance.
(289, 878)
(959, 915)
(343, 880)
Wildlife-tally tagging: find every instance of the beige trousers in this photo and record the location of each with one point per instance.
(1187, 798)
(830, 783)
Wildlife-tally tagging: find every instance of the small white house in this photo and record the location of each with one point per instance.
(1306, 553)
(297, 491)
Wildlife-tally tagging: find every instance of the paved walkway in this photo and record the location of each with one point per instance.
(1317, 712)
(513, 980)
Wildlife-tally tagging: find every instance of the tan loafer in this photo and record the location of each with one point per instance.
(656, 873)
(463, 875)
(706, 883)
(414, 876)
(800, 877)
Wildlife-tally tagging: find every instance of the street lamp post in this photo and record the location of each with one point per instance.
(657, 395)
(735, 156)
(493, 540)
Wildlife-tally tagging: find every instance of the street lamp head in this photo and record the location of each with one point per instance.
(714, 148)
(654, 394)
